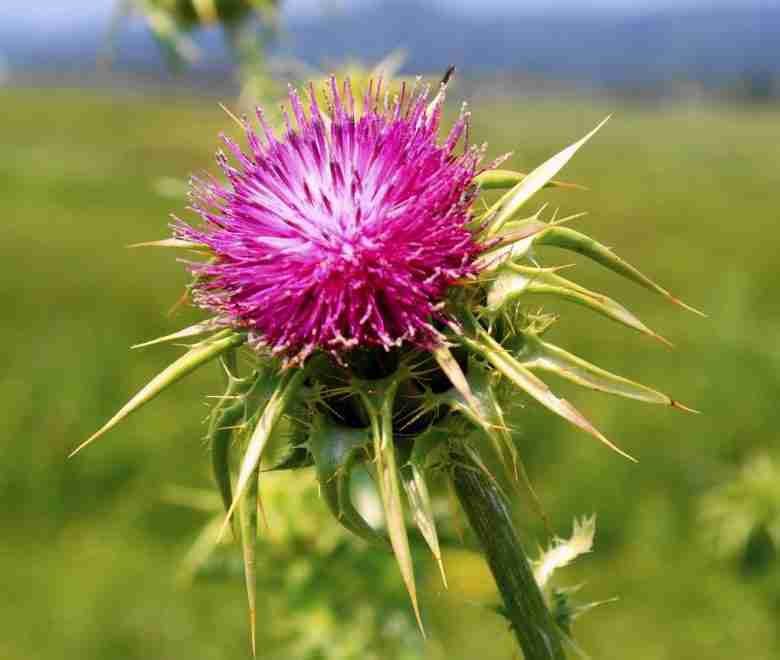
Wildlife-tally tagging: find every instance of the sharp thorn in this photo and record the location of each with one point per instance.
(680, 303)
(680, 406)
(662, 339)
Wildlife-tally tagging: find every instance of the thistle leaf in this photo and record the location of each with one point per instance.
(187, 363)
(293, 452)
(494, 428)
(570, 239)
(514, 281)
(298, 458)
(521, 377)
(394, 516)
(511, 245)
(223, 421)
(501, 179)
(428, 447)
(389, 488)
(422, 512)
(541, 355)
(260, 508)
(172, 243)
(483, 412)
(449, 365)
(286, 387)
(516, 239)
(486, 415)
(336, 450)
(248, 522)
(510, 203)
(191, 331)
(412, 477)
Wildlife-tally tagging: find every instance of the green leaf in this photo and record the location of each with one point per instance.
(538, 354)
(172, 243)
(248, 521)
(570, 239)
(422, 512)
(299, 457)
(501, 179)
(336, 451)
(449, 365)
(418, 496)
(516, 239)
(514, 281)
(187, 363)
(229, 412)
(389, 488)
(511, 202)
(286, 387)
(191, 331)
(292, 452)
(485, 414)
(494, 427)
(429, 446)
(522, 377)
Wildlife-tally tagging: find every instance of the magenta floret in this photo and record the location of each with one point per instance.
(347, 232)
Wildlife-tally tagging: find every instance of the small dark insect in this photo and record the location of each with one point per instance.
(448, 74)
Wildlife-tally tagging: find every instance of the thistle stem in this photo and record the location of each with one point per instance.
(524, 606)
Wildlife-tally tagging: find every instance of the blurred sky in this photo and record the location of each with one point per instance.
(57, 14)
(650, 41)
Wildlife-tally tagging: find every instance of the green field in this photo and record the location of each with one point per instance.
(89, 545)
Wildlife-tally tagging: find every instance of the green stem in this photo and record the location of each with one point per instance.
(490, 518)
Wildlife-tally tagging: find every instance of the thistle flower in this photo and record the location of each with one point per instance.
(386, 318)
(347, 233)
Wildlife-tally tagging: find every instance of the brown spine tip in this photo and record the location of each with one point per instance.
(680, 406)
(680, 303)
(663, 340)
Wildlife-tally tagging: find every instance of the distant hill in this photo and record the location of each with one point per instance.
(604, 49)
(610, 49)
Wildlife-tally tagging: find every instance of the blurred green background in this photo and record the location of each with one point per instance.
(90, 546)
(102, 556)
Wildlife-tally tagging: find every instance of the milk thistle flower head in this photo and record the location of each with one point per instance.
(384, 311)
(346, 233)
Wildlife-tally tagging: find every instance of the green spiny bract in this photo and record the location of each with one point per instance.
(407, 411)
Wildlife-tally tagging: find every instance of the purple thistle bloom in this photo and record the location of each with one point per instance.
(347, 232)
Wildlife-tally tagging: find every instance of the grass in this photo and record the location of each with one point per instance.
(89, 548)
